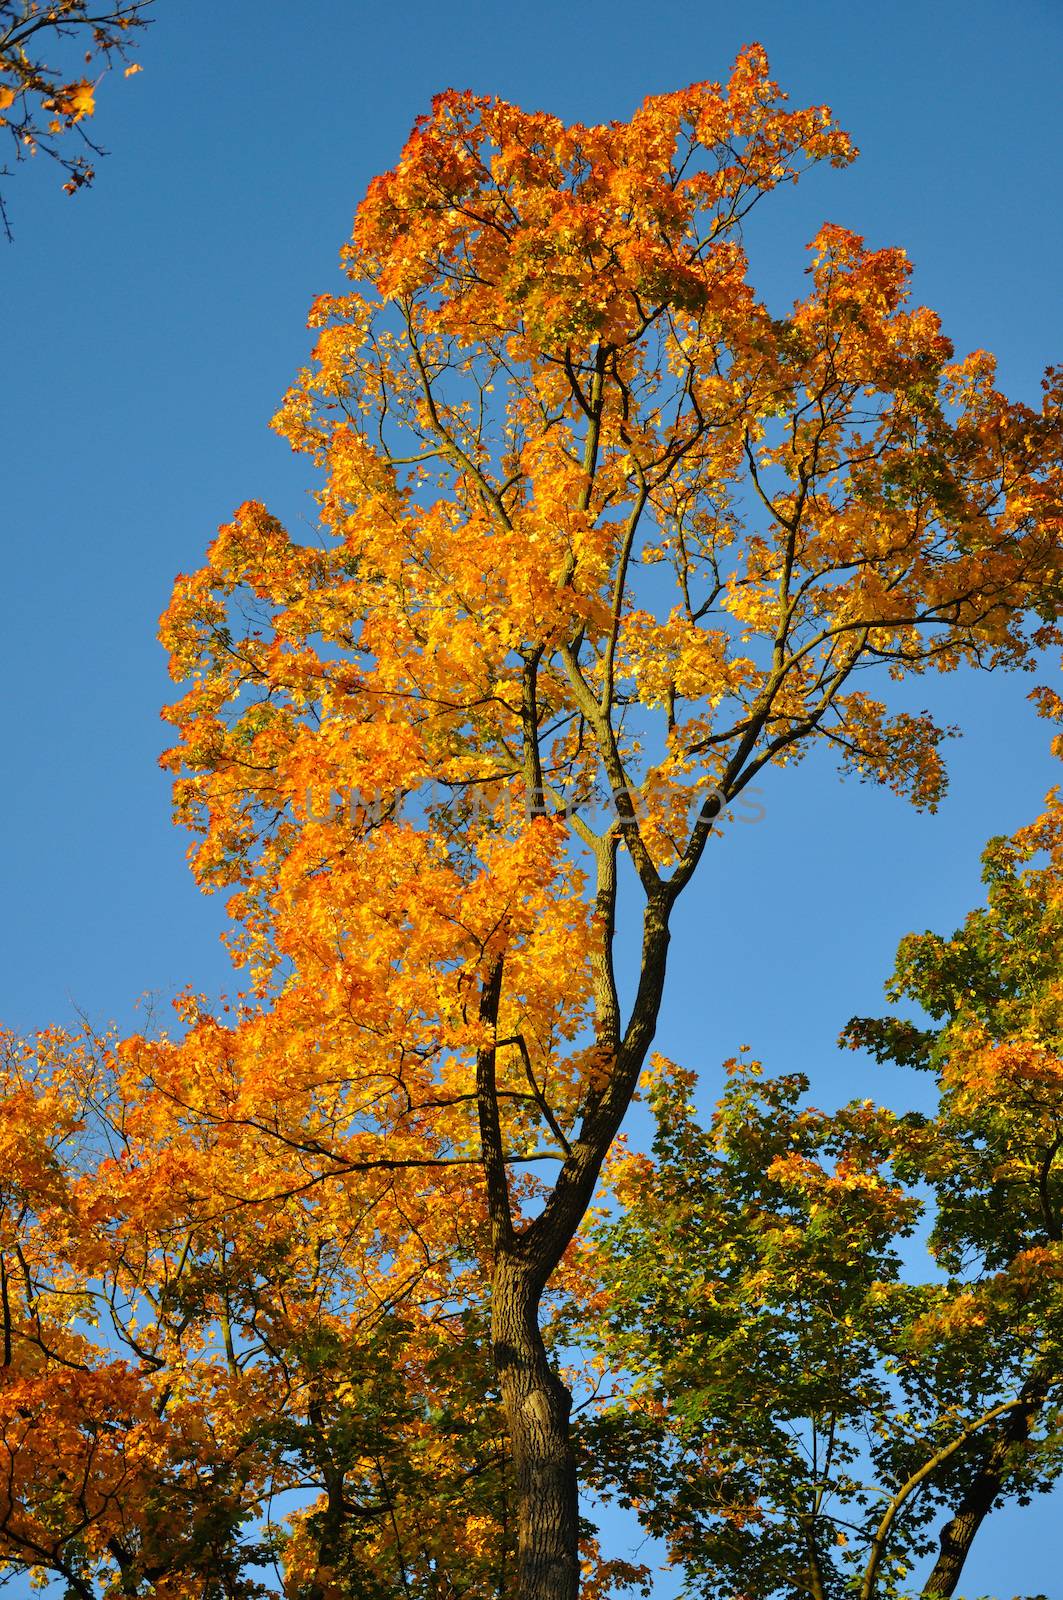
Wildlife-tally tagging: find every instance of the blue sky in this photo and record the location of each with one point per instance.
(152, 324)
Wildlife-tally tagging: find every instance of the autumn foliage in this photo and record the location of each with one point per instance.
(602, 539)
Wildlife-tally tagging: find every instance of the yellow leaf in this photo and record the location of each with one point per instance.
(73, 100)
(8, 96)
(129, 71)
(81, 100)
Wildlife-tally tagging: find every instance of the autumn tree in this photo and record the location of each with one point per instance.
(44, 111)
(553, 397)
(603, 539)
(219, 1404)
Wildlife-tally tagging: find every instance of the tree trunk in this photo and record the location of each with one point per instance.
(958, 1534)
(537, 1406)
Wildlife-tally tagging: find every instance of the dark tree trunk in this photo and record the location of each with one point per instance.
(986, 1482)
(535, 1401)
(537, 1406)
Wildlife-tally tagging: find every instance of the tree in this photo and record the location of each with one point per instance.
(996, 992)
(176, 1390)
(602, 539)
(800, 1405)
(36, 106)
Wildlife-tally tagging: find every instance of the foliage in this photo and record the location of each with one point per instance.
(179, 1389)
(37, 107)
(803, 1401)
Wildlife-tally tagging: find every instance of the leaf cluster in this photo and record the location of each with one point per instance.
(39, 106)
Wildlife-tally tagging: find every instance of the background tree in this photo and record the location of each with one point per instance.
(802, 1403)
(229, 1404)
(602, 540)
(995, 991)
(39, 107)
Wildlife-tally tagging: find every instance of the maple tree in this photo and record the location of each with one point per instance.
(602, 540)
(600, 532)
(143, 1440)
(39, 107)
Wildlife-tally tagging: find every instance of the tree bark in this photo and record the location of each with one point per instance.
(535, 1401)
(987, 1480)
(537, 1406)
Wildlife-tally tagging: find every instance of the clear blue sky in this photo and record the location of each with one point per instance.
(151, 324)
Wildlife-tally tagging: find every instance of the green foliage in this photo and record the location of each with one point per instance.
(802, 1395)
